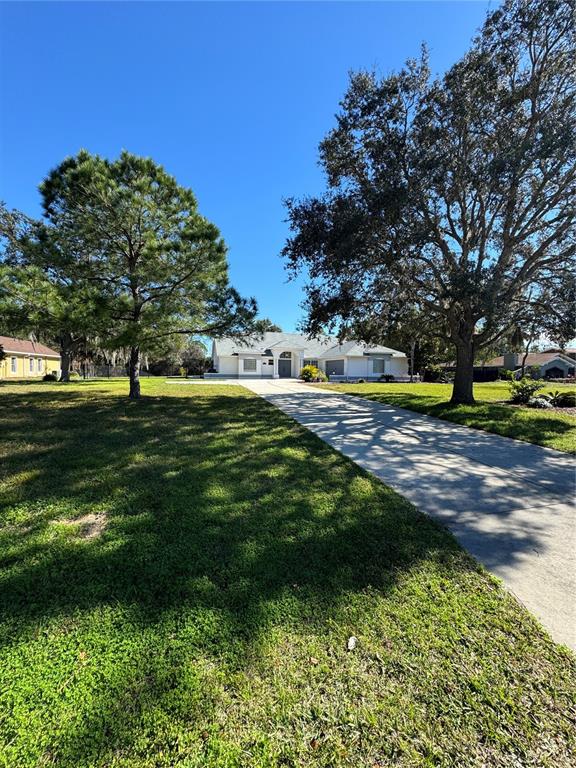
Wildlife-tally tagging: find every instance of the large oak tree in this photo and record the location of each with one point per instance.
(453, 195)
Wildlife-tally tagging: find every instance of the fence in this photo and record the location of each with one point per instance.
(106, 371)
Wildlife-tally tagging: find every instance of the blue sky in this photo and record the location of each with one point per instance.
(232, 98)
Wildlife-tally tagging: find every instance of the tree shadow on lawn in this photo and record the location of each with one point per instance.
(225, 520)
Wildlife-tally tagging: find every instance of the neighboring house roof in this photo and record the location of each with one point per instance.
(535, 358)
(26, 347)
(324, 347)
(570, 351)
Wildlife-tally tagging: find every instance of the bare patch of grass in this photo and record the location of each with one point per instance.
(89, 526)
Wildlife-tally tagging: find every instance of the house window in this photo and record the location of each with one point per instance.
(14, 365)
(31, 365)
(309, 361)
(286, 356)
(249, 364)
(40, 364)
(378, 365)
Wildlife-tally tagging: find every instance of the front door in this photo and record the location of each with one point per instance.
(284, 368)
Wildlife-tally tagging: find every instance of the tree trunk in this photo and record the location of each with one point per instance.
(65, 359)
(412, 353)
(525, 357)
(463, 390)
(134, 372)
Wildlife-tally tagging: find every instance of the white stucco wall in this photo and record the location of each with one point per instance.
(353, 366)
(242, 372)
(359, 366)
(397, 366)
(227, 365)
(364, 366)
(266, 368)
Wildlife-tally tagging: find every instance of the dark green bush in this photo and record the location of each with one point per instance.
(49, 377)
(563, 399)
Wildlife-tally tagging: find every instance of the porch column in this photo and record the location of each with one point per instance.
(300, 363)
(275, 358)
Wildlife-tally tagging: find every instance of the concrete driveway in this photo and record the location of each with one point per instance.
(509, 503)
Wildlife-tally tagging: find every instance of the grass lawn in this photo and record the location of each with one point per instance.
(179, 578)
(552, 429)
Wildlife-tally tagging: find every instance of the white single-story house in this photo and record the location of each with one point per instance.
(283, 355)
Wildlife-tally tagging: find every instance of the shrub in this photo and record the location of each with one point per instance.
(387, 377)
(539, 402)
(361, 381)
(311, 373)
(74, 375)
(433, 373)
(563, 399)
(183, 372)
(49, 377)
(522, 391)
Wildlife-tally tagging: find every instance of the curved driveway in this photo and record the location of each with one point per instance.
(509, 503)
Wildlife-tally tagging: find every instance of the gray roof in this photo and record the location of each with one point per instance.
(325, 346)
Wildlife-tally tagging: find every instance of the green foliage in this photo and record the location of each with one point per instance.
(74, 375)
(563, 399)
(179, 580)
(129, 229)
(265, 325)
(39, 294)
(50, 377)
(434, 373)
(532, 371)
(312, 373)
(420, 171)
(522, 390)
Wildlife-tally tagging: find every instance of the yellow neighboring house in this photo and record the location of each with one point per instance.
(27, 359)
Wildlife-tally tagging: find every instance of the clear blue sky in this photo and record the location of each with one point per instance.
(232, 98)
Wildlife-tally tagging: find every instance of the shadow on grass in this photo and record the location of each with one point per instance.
(224, 519)
(218, 506)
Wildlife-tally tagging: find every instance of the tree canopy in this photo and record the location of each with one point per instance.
(265, 325)
(128, 233)
(452, 195)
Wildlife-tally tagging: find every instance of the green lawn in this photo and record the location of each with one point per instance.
(197, 613)
(552, 429)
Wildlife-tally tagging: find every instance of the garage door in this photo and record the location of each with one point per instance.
(335, 367)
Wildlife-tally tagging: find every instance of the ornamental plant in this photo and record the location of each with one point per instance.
(523, 390)
(312, 373)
